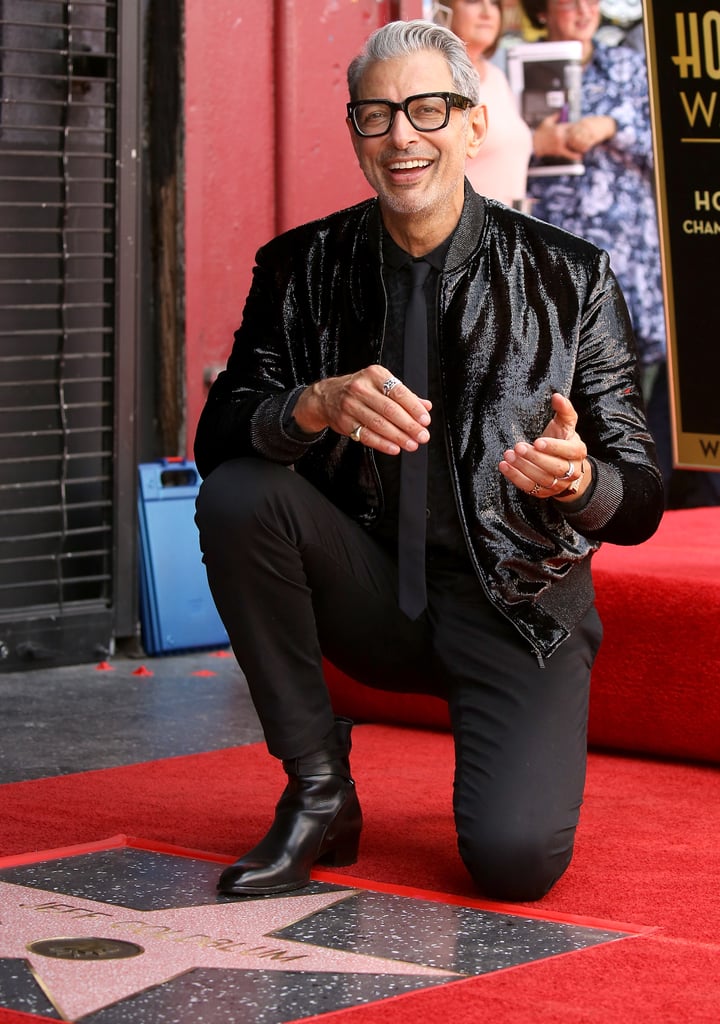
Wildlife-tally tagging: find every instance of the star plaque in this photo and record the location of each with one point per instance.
(122, 934)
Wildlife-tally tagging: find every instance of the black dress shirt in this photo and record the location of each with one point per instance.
(445, 543)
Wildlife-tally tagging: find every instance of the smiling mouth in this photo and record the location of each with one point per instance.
(408, 165)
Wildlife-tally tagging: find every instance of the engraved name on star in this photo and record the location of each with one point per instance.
(233, 936)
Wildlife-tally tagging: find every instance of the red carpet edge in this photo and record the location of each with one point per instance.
(646, 853)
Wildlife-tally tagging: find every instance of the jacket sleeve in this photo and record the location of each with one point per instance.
(249, 404)
(627, 502)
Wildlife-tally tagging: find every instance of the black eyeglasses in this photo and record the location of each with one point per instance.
(426, 112)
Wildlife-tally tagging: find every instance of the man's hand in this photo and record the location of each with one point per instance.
(371, 406)
(553, 461)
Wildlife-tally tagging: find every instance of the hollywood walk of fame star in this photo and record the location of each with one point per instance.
(233, 936)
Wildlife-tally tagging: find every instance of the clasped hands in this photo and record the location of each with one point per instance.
(394, 420)
(569, 140)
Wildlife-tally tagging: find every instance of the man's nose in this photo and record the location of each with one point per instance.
(402, 130)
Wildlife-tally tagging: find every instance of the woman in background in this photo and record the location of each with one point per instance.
(499, 171)
(613, 203)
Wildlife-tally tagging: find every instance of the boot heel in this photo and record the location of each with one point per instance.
(343, 852)
(341, 842)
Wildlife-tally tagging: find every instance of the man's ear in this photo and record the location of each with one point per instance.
(353, 135)
(477, 128)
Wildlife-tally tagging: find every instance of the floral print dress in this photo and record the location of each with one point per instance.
(613, 203)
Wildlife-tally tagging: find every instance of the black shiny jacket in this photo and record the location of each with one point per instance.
(524, 309)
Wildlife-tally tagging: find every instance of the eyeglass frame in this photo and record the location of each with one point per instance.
(453, 101)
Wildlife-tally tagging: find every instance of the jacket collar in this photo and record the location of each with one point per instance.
(465, 237)
(467, 234)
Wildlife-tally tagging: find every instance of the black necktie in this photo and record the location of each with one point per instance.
(412, 596)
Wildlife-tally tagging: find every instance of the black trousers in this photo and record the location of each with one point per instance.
(294, 579)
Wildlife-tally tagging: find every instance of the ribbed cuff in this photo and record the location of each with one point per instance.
(607, 494)
(273, 431)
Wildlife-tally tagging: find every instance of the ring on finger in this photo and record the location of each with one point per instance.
(355, 432)
(390, 384)
(535, 490)
(570, 471)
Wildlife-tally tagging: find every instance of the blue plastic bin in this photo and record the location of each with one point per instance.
(177, 612)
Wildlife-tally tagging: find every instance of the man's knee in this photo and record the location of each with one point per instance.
(232, 495)
(516, 866)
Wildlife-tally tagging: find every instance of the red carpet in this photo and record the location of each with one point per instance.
(655, 682)
(647, 854)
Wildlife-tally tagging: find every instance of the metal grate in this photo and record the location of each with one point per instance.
(57, 287)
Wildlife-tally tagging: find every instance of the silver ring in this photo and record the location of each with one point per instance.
(355, 432)
(555, 480)
(390, 384)
(535, 490)
(570, 471)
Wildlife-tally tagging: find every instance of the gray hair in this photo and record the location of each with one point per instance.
(401, 38)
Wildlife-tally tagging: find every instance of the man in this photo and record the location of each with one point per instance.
(537, 450)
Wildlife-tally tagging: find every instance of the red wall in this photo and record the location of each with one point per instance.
(266, 146)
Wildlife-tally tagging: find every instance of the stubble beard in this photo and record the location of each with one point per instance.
(409, 202)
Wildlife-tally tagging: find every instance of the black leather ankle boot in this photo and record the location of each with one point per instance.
(317, 821)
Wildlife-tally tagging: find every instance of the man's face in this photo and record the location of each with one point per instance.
(411, 171)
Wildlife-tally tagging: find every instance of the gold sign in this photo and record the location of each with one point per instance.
(683, 49)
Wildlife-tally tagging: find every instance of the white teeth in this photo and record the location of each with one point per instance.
(405, 165)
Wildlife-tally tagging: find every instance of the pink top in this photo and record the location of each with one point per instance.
(499, 171)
